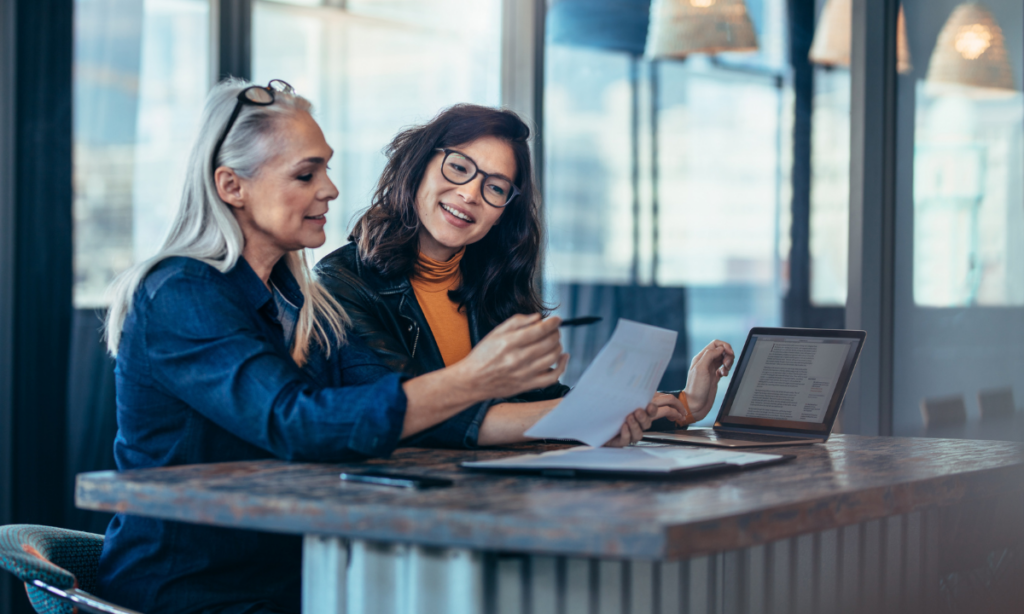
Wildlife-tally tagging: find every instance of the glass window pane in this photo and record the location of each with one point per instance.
(968, 219)
(373, 68)
(588, 173)
(140, 77)
(830, 186)
(959, 321)
(719, 173)
(666, 182)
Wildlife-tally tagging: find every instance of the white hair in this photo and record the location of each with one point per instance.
(205, 229)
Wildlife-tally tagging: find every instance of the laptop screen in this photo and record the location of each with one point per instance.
(791, 379)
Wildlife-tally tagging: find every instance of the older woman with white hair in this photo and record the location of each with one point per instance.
(228, 349)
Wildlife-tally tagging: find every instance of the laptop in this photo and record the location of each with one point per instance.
(786, 390)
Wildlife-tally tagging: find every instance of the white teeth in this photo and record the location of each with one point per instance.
(461, 216)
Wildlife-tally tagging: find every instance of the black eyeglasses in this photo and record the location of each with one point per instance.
(460, 169)
(255, 95)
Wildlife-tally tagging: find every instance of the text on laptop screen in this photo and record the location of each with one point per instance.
(791, 378)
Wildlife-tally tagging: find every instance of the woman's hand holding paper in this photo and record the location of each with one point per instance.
(634, 425)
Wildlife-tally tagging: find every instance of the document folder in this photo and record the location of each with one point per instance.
(644, 461)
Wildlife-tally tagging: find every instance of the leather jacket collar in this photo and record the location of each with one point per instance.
(383, 306)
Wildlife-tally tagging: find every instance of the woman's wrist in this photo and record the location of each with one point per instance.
(686, 407)
(687, 413)
(464, 385)
(507, 423)
(434, 397)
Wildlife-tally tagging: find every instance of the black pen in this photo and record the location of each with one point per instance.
(581, 321)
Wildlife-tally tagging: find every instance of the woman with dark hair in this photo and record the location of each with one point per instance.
(448, 250)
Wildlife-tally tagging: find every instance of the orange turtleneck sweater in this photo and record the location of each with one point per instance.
(431, 281)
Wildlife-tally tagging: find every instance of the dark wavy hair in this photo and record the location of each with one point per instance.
(497, 271)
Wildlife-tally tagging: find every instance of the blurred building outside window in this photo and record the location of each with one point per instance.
(830, 187)
(968, 197)
(140, 77)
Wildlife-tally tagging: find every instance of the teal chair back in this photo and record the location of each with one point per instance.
(58, 568)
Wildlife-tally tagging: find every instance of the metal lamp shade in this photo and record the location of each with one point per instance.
(831, 45)
(681, 27)
(970, 52)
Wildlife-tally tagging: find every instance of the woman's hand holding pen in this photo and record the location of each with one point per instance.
(516, 356)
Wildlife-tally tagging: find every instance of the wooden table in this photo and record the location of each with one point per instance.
(858, 524)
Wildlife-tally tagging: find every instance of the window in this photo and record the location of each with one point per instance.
(959, 292)
(140, 77)
(588, 179)
(830, 187)
(968, 218)
(666, 182)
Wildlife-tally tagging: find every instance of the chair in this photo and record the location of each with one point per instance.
(944, 411)
(57, 566)
(996, 404)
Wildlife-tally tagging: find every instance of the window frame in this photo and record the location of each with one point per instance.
(870, 303)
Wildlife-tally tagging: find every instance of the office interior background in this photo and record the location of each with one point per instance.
(854, 163)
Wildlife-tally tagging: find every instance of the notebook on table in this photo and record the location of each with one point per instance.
(786, 389)
(633, 461)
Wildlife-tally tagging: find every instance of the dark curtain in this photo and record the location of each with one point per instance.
(107, 41)
(92, 413)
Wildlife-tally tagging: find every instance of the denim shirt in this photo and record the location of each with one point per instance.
(204, 374)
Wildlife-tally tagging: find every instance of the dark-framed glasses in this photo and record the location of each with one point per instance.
(254, 95)
(460, 169)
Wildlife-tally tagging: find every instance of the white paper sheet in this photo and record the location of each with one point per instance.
(622, 378)
(631, 459)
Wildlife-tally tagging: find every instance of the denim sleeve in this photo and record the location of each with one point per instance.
(204, 347)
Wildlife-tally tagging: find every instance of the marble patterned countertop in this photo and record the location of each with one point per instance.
(849, 480)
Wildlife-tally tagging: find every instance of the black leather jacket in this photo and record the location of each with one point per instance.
(385, 313)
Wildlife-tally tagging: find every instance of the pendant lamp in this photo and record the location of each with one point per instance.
(831, 45)
(971, 52)
(681, 27)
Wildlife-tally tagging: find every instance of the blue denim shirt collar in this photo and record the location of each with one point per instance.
(256, 292)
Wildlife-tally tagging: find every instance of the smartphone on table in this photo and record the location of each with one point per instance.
(398, 480)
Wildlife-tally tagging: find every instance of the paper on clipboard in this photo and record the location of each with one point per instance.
(622, 378)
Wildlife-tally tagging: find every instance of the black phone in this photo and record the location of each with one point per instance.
(398, 480)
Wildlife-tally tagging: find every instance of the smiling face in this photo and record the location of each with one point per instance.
(283, 207)
(454, 216)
